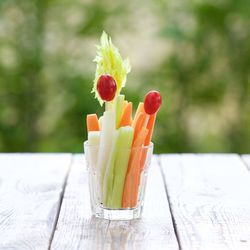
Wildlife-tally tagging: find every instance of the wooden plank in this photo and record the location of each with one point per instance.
(246, 159)
(210, 200)
(76, 228)
(155, 230)
(30, 189)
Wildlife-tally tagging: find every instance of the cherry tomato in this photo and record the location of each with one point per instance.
(152, 102)
(106, 87)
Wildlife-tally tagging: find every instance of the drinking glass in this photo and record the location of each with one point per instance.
(117, 186)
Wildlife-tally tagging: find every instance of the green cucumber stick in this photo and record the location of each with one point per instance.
(119, 108)
(109, 173)
(124, 144)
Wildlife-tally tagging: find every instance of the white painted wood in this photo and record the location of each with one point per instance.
(30, 187)
(210, 200)
(246, 159)
(155, 230)
(76, 228)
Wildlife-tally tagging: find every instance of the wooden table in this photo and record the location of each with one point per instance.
(192, 202)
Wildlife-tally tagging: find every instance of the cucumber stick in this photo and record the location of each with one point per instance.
(106, 141)
(119, 108)
(109, 173)
(115, 175)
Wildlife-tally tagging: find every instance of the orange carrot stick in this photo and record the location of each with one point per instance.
(92, 123)
(126, 119)
(137, 124)
(125, 104)
(132, 180)
(140, 109)
(150, 127)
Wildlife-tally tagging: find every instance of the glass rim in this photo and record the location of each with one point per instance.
(150, 146)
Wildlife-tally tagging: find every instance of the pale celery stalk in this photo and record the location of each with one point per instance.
(109, 61)
(119, 108)
(109, 106)
(123, 149)
(92, 153)
(93, 142)
(106, 142)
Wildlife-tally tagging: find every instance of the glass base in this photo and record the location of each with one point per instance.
(118, 214)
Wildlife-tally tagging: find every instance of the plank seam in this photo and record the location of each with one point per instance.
(65, 181)
(244, 162)
(169, 204)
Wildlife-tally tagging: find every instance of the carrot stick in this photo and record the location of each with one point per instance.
(140, 109)
(132, 180)
(133, 173)
(137, 124)
(126, 119)
(92, 123)
(124, 104)
(150, 127)
(139, 119)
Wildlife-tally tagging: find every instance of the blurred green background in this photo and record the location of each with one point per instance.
(197, 53)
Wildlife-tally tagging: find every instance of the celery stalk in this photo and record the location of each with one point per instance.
(119, 108)
(93, 142)
(109, 61)
(122, 154)
(106, 142)
(91, 154)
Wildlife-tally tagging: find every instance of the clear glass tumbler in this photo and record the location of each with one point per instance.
(117, 186)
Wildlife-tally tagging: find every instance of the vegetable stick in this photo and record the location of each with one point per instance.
(119, 108)
(109, 174)
(137, 124)
(91, 154)
(124, 104)
(92, 123)
(140, 109)
(107, 138)
(126, 119)
(100, 122)
(124, 143)
(150, 127)
(132, 180)
(109, 106)
(138, 159)
(93, 142)
(93, 138)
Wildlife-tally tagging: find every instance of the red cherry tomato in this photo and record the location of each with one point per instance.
(106, 87)
(152, 102)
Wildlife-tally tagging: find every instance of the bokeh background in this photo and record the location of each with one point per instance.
(196, 52)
